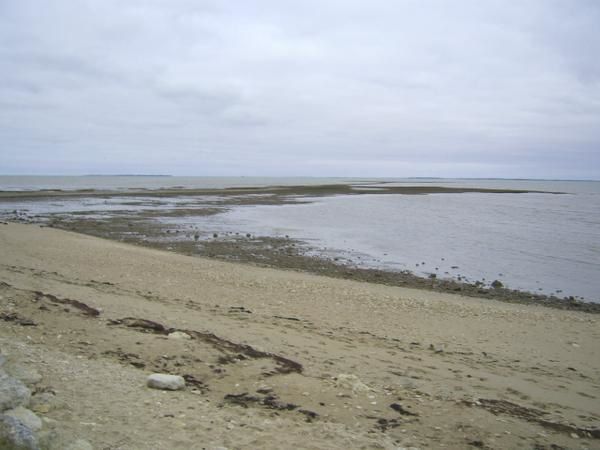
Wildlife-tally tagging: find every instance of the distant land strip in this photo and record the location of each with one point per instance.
(309, 191)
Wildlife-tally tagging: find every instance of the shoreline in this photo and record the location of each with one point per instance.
(304, 190)
(139, 227)
(278, 355)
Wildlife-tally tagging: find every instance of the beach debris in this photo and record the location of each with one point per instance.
(179, 335)
(284, 365)
(384, 424)
(532, 415)
(239, 309)
(165, 381)
(19, 320)
(85, 309)
(351, 382)
(294, 319)
(14, 434)
(401, 410)
(13, 392)
(269, 401)
(143, 324)
(26, 417)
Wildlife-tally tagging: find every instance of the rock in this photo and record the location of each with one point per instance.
(14, 435)
(27, 418)
(41, 403)
(13, 393)
(166, 382)
(497, 284)
(80, 444)
(27, 375)
(179, 335)
(351, 382)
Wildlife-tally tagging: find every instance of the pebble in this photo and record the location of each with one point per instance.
(42, 403)
(165, 382)
(179, 335)
(15, 435)
(13, 393)
(27, 418)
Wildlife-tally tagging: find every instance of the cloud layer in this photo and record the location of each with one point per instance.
(334, 88)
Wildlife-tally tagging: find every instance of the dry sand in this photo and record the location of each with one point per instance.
(324, 363)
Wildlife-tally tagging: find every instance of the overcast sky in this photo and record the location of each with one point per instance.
(324, 87)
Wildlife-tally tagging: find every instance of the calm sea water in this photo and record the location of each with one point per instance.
(536, 242)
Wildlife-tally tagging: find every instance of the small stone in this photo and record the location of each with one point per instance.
(574, 435)
(179, 335)
(13, 393)
(166, 382)
(27, 418)
(42, 402)
(14, 435)
(80, 444)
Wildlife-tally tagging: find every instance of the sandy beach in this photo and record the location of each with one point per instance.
(281, 359)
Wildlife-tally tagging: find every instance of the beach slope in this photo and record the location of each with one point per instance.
(280, 359)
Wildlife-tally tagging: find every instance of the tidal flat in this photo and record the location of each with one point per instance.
(170, 219)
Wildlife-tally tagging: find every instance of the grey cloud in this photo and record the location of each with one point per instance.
(332, 87)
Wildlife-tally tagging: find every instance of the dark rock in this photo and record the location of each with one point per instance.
(497, 284)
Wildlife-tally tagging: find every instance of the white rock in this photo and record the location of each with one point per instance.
(351, 382)
(27, 418)
(165, 381)
(179, 335)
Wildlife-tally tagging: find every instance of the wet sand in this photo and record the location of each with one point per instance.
(282, 359)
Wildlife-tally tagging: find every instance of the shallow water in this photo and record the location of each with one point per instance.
(537, 242)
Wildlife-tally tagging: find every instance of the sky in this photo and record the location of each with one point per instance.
(392, 88)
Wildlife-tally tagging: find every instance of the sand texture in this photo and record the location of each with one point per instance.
(279, 359)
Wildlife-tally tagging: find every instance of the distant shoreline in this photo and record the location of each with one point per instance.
(305, 190)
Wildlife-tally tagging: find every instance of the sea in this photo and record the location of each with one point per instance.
(545, 243)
